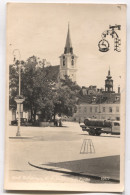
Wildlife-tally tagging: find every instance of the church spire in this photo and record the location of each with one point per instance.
(109, 71)
(68, 46)
(109, 82)
(109, 74)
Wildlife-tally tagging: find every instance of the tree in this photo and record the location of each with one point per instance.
(34, 85)
(72, 85)
(42, 91)
(65, 99)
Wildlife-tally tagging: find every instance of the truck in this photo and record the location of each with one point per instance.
(96, 127)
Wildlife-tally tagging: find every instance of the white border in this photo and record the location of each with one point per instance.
(3, 83)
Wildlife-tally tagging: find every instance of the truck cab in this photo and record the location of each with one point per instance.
(115, 127)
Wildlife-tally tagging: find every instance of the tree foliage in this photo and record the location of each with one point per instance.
(44, 93)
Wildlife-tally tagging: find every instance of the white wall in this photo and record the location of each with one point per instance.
(97, 111)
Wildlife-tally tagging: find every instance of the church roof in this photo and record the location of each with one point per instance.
(68, 39)
(68, 45)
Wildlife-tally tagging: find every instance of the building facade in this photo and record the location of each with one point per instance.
(97, 103)
(107, 111)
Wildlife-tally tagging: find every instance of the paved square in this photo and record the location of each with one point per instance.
(58, 148)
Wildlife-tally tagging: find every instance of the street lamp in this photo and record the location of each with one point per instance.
(19, 99)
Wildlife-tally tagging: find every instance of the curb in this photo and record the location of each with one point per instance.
(20, 137)
(68, 172)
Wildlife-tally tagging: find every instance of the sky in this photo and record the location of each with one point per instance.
(41, 30)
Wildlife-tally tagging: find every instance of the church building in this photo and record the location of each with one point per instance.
(68, 60)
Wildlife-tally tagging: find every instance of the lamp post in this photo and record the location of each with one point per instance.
(100, 107)
(19, 99)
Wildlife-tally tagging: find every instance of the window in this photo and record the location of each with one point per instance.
(116, 124)
(95, 109)
(63, 62)
(72, 62)
(103, 109)
(117, 98)
(110, 109)
(117, 109)
(85, 109)
(90, 109)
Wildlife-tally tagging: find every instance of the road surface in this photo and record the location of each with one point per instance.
(66, 149)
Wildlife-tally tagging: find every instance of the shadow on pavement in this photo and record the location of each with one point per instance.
(112, 136)
(101, 167)
(75, 174)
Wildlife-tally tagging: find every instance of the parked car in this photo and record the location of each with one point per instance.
(24, 122)
(14, 122)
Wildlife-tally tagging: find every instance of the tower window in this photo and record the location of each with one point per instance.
(63, 62)
(72, 62)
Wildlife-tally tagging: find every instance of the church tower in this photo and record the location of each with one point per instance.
(109, 82)
(68, 60)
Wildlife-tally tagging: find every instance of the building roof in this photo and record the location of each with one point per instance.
(99, 99)
(68, 45)
(109, 75)
(68, 39)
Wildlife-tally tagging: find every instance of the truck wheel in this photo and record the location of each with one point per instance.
(98, 133)
(92, 131)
